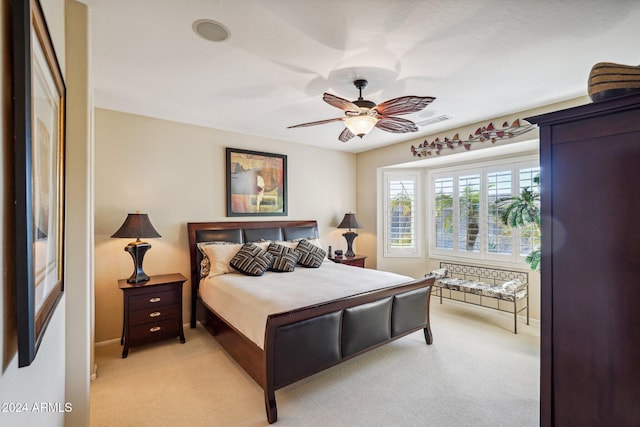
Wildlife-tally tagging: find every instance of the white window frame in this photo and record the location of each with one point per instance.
(514, 164)
(416, 177)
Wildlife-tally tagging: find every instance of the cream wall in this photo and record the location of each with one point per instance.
(79, 214)
(175, 172)
(369, 170)
(47, 379)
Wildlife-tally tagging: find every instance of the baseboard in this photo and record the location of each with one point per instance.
(107, 342)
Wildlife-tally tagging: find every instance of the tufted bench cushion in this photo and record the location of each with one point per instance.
(508, 291)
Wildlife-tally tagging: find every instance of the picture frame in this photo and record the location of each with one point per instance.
(39, 167)
(256, 183)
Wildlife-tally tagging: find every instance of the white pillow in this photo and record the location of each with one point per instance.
(262, 244)
(219, 255)
(316, 242)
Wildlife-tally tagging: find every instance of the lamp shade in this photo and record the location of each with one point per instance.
(136, 225)
(349, 221)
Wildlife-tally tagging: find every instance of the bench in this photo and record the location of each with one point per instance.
(503, 290)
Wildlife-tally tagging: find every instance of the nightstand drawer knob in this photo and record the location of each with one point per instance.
(155, 329)
(156, 299)
(155, 314)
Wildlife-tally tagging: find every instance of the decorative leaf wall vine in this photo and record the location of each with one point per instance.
(485, 133)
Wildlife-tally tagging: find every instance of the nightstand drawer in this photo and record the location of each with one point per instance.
(151, 331)
(154, 299)
(154, 314)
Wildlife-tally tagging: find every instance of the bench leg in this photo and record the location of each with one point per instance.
(428, 336)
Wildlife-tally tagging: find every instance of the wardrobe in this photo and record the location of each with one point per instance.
(590, 270)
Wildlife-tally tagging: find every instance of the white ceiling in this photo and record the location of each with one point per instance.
(481, 59)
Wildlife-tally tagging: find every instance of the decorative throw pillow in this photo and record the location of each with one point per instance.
(513, 285)
(205, 266)
(310, 254)
(287, 243)
(216, 257)
(251, 260)
(285, 259)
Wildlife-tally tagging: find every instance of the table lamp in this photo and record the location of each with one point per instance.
(137, 225)
(349, 221)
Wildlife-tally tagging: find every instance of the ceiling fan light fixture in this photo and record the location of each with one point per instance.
(361, 125)
(362, 115)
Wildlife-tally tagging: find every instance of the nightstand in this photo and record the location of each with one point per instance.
(356, 261)
(152, 310)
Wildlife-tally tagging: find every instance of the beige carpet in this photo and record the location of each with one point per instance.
(476, 373)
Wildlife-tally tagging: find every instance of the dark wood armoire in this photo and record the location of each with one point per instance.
(590, 271)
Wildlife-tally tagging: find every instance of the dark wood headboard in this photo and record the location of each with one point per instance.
(240, 232)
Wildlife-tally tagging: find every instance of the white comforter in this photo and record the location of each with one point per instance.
(246, 302)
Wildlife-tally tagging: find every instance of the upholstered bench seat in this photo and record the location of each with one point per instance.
(508, 291)
(498, 289)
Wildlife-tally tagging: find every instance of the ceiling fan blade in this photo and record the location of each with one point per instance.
(340, 103)
(346, 135)
(319, 122)
(396, 125)
(403, 105)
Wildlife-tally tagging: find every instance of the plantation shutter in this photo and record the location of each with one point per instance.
(401, 213)
(444, 213)
(499, 185)
(465, 220)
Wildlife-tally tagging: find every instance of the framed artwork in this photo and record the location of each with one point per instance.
(256, 183)
(39, 148)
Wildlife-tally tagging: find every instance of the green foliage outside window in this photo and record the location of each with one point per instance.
(523, 212)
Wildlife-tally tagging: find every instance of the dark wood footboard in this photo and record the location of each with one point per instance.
(304, 341)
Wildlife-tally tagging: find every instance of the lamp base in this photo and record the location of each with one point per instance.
(137, 251)
(350, 236)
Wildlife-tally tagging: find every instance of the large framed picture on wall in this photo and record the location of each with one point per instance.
(256, 183)
(39, 148)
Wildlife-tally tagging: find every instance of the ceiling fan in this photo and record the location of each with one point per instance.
(362, 115)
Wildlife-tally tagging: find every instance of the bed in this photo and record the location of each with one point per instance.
(298, 337)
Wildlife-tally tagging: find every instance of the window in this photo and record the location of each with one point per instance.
(464, 220)
(444, 213)
(499, 185)
(529, 238)
(469, 238)
(400, 205)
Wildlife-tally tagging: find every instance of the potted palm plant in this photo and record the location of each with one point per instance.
(523, 212)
